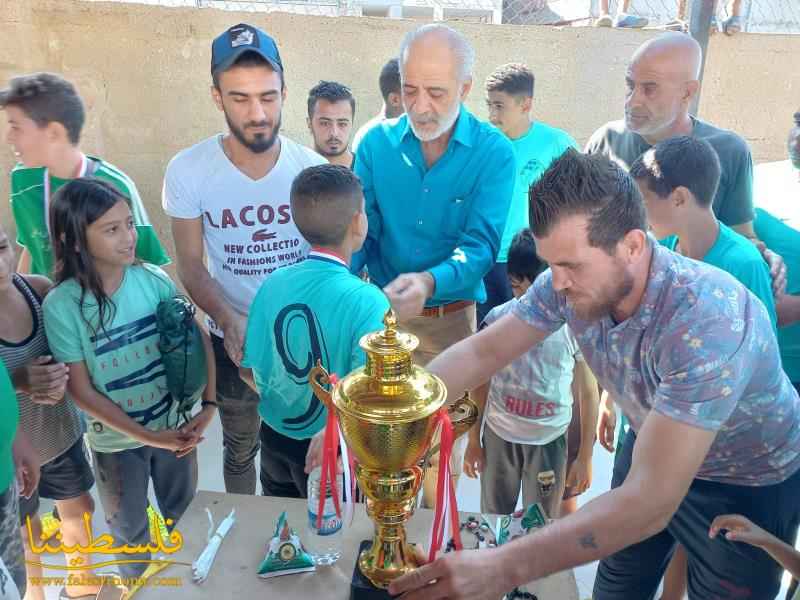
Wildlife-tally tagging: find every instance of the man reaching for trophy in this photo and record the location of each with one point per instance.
(714, 419)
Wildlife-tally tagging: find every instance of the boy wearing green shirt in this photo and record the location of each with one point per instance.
(509, 98)
(45, 117)
(678, 179)
(309, 311)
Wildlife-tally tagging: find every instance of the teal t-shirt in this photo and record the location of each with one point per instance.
(735, 254)
(122, 358)
(312, 310)
(784, 240)
(533, 153)
(9, 418)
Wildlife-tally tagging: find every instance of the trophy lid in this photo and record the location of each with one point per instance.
(389, 388)
(388, 348)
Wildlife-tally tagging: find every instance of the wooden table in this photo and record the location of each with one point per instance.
(233, 574)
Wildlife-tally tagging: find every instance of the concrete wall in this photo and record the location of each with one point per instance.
(144, 74)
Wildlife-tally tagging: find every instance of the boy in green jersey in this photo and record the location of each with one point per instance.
(45, 116)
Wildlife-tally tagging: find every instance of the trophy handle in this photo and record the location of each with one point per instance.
(463, 415)
(317, 378)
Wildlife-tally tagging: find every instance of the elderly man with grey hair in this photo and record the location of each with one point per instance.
(437, 184)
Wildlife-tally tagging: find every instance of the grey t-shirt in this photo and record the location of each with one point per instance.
(733, 204)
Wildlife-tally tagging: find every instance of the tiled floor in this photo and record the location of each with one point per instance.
(468, 494)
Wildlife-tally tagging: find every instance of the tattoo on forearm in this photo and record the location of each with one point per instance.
(587, 541)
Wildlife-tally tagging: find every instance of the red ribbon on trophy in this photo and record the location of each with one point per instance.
(445, 514)
(331, 440)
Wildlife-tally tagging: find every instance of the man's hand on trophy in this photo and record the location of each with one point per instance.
(465, 575)
(408, 293)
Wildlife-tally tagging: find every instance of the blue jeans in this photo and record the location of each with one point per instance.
(498, 290)
(122, 481)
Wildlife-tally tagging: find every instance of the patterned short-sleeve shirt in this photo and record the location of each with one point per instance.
(700, 349)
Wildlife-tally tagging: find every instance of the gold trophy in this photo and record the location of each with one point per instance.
(387, 413)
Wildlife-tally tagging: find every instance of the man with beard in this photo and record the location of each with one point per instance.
(331, 110)
(662, 80)
(691, 356)
(437, 184)
(228, 197)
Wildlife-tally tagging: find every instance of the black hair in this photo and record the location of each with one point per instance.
(332, 91)
(389, 80)
(523, 262)
(324, 199)
(47, 98)
(75, 206)
(515, 79)
(681, 161)
(247, 59)
(590, 185)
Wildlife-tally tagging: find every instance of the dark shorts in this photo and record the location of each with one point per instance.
(717, 568)
(65, 477)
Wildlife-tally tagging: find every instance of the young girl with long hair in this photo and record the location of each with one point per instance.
(48, 417)
(101, 321)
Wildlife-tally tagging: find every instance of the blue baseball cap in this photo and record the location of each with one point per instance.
(239, 39)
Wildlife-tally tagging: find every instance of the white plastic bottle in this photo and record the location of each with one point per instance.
(323, 543)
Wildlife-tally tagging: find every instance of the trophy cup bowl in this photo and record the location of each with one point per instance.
(387, 412)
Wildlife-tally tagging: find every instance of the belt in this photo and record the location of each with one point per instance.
(446, 309)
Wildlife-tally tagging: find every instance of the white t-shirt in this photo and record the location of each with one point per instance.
(776, 189)
(248, 229)
(530, 400)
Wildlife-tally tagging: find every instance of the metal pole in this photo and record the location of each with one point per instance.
(702, 11)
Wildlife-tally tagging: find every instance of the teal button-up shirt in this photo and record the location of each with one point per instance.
(447, 219)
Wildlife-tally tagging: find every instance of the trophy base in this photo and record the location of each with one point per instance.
(361, 588)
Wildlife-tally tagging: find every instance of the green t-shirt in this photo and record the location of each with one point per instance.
(784, 240)
(311, 310)
(533, 153)
(123, 359)
(9, 418)
(733, 204)
(28, 208)
(735, 254)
